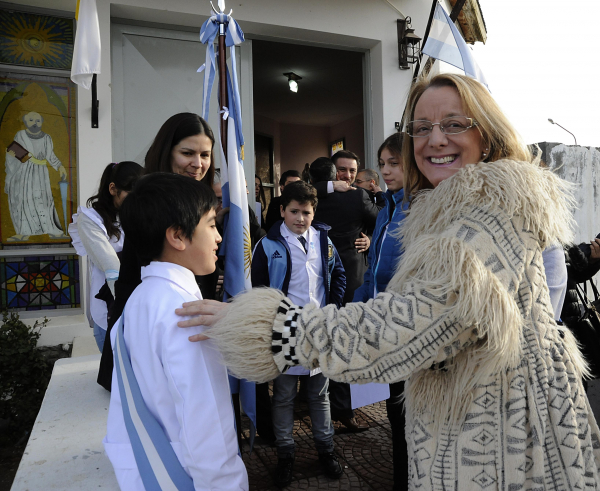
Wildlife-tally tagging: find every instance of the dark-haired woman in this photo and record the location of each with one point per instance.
(183, 145)
(96, 233)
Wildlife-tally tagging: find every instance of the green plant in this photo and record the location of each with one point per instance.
(24, 373)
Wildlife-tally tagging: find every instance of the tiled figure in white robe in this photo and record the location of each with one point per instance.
(27, 183)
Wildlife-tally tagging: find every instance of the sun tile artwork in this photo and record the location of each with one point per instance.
(35, 40)
(39, 282)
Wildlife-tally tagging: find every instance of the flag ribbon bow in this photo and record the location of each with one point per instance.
(233, 36)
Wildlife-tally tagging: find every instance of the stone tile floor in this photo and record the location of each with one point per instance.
(366, 457)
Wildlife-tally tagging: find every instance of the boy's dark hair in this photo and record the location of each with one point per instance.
(124, 175)
(289, 173)
(322, 169)
(159, 201)
(301, 192)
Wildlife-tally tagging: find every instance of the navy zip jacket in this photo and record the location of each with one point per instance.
(272, 263)
(383, 257)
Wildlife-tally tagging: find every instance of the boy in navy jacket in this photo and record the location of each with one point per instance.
(298, 258)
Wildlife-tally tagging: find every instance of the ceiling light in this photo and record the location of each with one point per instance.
(293, 80)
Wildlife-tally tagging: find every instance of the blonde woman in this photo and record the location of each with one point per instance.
(494, 396)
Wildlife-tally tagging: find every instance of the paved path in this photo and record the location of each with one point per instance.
(366, 457)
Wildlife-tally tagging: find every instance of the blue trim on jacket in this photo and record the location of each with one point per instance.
(383, 258)
(272, 263)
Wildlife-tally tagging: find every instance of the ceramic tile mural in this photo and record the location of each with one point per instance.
(39, 282)
(39, 175)
(35, 40)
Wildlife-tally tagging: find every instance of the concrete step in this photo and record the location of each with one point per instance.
(65, 451)
(84, 346)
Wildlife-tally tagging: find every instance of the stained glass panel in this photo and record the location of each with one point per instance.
(39, 282)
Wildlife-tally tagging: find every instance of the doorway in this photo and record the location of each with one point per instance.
(327, 108)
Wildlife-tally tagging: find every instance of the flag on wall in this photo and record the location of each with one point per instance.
(86, 53)
(446, 44)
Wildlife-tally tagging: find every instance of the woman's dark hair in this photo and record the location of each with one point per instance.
(160, 201)
(175, 129)
(124, 175)
(261, 193)
(394, 145)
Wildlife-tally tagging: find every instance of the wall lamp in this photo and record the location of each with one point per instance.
(409, 44)
(293, 80)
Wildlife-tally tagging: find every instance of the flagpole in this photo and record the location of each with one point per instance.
(223, 86)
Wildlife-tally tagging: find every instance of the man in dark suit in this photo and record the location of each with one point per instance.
(350, 215)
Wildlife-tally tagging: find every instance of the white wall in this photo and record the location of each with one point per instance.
(580, 166)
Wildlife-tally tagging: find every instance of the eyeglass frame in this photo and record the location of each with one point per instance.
(473, 124)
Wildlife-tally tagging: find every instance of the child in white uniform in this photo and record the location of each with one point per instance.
(171, 220)
(96, 233)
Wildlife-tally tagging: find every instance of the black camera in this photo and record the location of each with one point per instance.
(586, 248)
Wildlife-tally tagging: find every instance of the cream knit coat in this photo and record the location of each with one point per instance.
(494, 395)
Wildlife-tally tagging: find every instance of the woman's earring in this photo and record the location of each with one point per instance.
(484, 154)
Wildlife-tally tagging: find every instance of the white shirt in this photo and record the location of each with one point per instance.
(184, 385)
(91, 238)
(306, 279)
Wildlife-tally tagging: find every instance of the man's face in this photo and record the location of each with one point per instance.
(33, 121)
(346, 170)
(363, 181)
(289, 180)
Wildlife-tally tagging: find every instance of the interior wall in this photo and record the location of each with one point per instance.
(301, 144)
(354, 133)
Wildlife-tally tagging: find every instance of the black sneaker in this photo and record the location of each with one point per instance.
(330, 465)
(283, 473)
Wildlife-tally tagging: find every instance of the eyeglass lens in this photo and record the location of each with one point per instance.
(448, 126)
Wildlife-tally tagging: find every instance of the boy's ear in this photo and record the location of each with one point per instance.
(175, 238)
(281, 210)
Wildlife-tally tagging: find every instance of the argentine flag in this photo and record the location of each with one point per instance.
(446, 44)
(236, 248)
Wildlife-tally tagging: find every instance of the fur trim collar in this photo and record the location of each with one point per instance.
(543, 199)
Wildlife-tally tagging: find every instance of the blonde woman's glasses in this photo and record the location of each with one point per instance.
(449, 126)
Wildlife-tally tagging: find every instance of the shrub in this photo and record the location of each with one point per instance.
(24, 373)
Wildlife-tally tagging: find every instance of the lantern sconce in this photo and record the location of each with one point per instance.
(293, 81)
(409, 44)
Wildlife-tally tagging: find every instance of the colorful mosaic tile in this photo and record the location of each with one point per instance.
(35, 40)
(39, 282)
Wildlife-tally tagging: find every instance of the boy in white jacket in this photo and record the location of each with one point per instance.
(171, 220)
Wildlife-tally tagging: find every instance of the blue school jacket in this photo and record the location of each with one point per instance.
(272, 263)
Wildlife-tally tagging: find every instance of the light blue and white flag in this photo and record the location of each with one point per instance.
(446, 44)
(236, 247)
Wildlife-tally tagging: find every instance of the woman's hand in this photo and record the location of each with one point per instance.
(203, 312)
